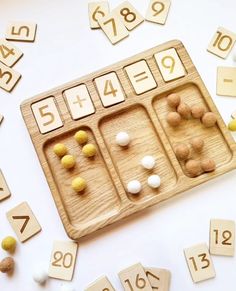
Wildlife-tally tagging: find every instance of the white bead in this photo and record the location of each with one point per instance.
(134, 187)
(40, 274)
(154, 181)
(67, 287)
(122, 139)
(148, 162)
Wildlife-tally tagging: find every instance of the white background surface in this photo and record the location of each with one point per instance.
(65, 49)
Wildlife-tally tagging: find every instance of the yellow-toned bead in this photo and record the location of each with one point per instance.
(68, 162)
(78, 184)
(89, 150)
(81, 136)
(60, 150)
(232, 125)
(9, 244)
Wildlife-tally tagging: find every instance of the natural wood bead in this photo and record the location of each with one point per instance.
(173, 100)
(184, 110)
(182, 152)
(193, 167)
(198, 111)
(208, 165)
(197, 144)
(174, 119)
(209, 119)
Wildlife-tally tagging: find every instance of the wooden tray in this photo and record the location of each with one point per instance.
(144, 117)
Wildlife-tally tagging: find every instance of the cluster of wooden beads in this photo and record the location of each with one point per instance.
(7, 264)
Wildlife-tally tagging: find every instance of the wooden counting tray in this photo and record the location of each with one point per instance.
(142, 114)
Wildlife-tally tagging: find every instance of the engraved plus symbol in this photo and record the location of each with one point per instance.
(79, 101)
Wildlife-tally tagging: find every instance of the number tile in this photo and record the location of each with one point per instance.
(9, 53)
(226, 81)
(102, 284)
(21, 31)
(79, 102)
(199, 263)
(97, 10)
(23, 221)
(134, 278)
(170, 65)
(1, 118)
(222, 237)
(109, 89)
(158, 278)
(47, 115)
(4, 190)
(158, 11)
(113, 27)
(129, 15)
(8, 78)
(141, 77)
(222, 43)
(63, 259)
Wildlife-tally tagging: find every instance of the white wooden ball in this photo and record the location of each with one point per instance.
(122, 139)
(148, 162)
(40, 274)
(154, 181)
(134, 187)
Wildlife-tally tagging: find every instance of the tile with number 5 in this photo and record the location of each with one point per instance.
(21, 31)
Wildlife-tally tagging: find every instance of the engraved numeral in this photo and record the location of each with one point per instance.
(61, 260)
(129, 16)
(158, 7)
(204, 260)
(219, 40)
(112, 21)
(46, 114)
(168, 62)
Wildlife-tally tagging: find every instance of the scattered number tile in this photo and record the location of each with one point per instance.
(129, 15)
(222, 42)
(9, 53)
(97, 10)
(141, 77)
(79, 102)
(23, 221)
(47, 115)
(170, 65)
(109, 89)
(158, 278)
(63, 260)
(21, 31)
(233, 115)
(158, 11)
(102, 284)
(222, 237)
(4, 190)
(8, 78)
(199, 262)
(226, 81)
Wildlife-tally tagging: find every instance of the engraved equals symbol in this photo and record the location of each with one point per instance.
(140, 77)
(228, 80)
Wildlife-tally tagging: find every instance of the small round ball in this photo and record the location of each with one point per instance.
(60, 150)
(68, 161)
(81, 137)
(182, 152)
(208, 165)
(209, 119)
(40, 275)
(148, 162)
(78, 184)
(154, 181)
(67, 287)
(89, 150)
(193, 167)
(122, 139)
(173, 100)
(232, 125)
(184, 110)
(174, 119)
(9, 244)
(7, 265)
(197, 144)
(134, 187)
(198, 111)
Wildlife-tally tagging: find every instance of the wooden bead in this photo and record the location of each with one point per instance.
(232, 125)
(182, 152)
(197, 144)
(60, 150)
(173, 100)
(81, 137)
(89, 150)
(78, 184)
(208, 165)
(193, 168)
(209, 119)
(174, 119)
(184, 110)
(7, 265)
(198, 111)
(68, 161)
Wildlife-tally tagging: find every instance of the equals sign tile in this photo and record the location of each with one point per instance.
(228, 80)
(140, 77)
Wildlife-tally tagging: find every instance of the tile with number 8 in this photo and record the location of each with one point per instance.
(9, 53)
(8, 78)
(97, 10)
(158, 11)
(102, 284)
(21, 31)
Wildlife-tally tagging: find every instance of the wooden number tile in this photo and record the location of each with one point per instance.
(23, 221)
(63, 260)
(102, 284)
(134, 278)
(158, 278)
(47, 115)
(141, 77)
(199, 262)
(226, 81)
(113, 27)
(129, 15)
(1, 118)
(109, 89)
(4, 190)
(170, 65)
(21, 31)
(8, 78)
(158, 11)
(233, 115)
(97, 10)
(79, 102)
(222, 42)
(222, 237)
(9, 54)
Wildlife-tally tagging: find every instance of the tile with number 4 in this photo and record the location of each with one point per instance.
(96, 11)
(222, 237)
(21, 31)
(102, 284)
(226, 81)
(129, 15)
(158, 11)
(8, 78)
(199, 263)
(4, 190)
(63, 260)
(9, 54)
(158, 278)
